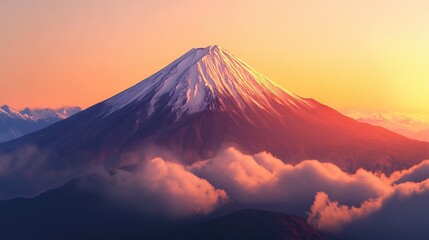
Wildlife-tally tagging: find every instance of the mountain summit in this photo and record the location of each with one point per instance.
(205, 79)
(199, 103)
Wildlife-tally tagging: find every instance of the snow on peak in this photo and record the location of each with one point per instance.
(5, 108)
(65, 112)
(38, 113)
(11, 113)
(205, 79)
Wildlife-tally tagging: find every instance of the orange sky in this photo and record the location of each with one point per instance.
(369, 55)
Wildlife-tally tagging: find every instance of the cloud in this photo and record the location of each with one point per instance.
(166, 188)
(21, 172)
(337, 202)
(417, 173)
(330, 216)
(262, 178)
(362, 205)
(28, 171)
(156, 186)
(399, 214)
(25, 161)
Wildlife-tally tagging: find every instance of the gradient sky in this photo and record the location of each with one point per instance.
(366, 54)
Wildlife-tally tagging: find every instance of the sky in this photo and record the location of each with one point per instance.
(367, 55)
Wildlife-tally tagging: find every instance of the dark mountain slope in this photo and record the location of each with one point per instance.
(81, 209)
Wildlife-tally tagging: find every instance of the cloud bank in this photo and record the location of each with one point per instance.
(339, 203)
(166, 188)
(402, 213)
(361, 205)
(262, 178)
(170, 188)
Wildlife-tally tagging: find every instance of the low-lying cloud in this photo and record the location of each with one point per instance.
(400, 214)
(234, 177)
(28, 171)
(417, 173)
(19, 168)
(336, 202)
(166, 188)
(262, 178)
(361, 205)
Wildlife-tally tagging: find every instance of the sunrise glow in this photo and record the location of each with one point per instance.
(369, 55)
(214, 120)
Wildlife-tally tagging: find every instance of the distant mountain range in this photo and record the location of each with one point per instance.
(14, 123)
(412, 126)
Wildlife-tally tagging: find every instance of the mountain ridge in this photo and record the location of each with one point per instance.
(15, 123)
(412, 126)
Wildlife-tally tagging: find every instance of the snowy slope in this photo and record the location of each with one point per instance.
(14, 123)
(206, 79)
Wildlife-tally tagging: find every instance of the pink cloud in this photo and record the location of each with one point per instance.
(262, 178)
(330, 216)
(337, 202)
(417, 173)
(164, 187)
(399, 214)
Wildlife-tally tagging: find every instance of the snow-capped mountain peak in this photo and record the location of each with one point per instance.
(5, 108)
(14, 123)
(8, 112)
(205, 79)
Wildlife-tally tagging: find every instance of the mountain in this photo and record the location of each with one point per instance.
(252, 224)
(199, 103)
(14, 124)
(53, 115)
(72, 212)
(421, 135)
(79, 210)
(415, 127)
